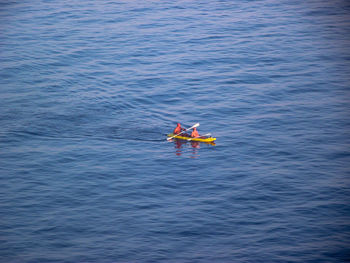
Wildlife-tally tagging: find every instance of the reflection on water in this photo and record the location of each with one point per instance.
(180, 145)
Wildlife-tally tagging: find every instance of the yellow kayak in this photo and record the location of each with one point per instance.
(199, 139)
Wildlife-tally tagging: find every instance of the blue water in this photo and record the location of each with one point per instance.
(89, 90)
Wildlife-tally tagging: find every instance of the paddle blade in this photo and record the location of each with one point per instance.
(194, 126)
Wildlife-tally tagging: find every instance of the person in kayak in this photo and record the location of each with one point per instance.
(194, 133)
(178, 129)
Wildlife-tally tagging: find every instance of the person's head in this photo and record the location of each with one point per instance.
(195, 129)
(178, 125)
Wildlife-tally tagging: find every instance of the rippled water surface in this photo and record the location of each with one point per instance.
(89, 90)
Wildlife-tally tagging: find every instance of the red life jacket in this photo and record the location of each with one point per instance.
(177, 129)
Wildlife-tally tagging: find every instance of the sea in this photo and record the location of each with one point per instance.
(90, 89)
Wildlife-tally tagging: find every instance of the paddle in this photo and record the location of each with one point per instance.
(208, 134)
(194, 126)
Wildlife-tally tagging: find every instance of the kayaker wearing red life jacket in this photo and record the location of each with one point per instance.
(178, 129)
(194, 133)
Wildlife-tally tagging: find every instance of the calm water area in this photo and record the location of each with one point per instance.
(89, 91)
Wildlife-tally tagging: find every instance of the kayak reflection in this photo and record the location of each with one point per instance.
(180, 144)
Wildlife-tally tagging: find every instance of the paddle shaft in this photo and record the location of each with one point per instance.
(194, 126)
(208, 134)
